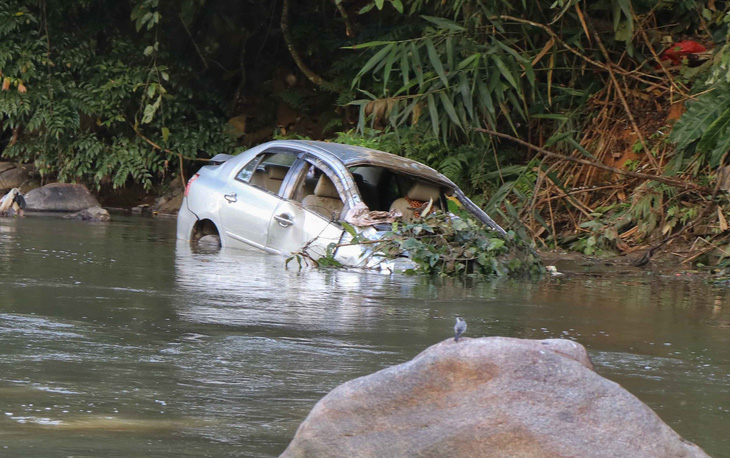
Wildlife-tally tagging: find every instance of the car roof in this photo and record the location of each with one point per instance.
(351, 155)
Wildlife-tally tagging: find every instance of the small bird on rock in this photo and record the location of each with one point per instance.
(459, 328)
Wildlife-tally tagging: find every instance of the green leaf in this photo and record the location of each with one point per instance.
(417, 66)
(349, 229)
(390, 60)
(373, 61)
(398, 5)
(449, 108)
(165, 134)
(433, 114)
(557, 117)
(366, 8)
(404, 69)
(719, 129)
(444, 23)
(698, 117)
(436, 62)
(505, 71)
(369, 44)
(466, 95)
(468, 61)
(379, 4)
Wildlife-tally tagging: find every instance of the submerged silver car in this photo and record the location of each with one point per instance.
(287, 196)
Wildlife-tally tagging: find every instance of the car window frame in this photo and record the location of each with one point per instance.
(259, 158)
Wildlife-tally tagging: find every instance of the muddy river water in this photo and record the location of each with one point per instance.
(117, 341)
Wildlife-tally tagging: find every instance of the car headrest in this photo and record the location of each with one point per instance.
(325, 188)
(276, 172)
(424, 192)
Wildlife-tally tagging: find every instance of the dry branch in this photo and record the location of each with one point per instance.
(639, 175)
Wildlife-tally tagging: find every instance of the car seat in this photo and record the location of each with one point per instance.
(325, 200)
(421, 192)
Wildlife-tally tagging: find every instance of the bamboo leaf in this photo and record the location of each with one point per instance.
(379, 4)
(512, 52)
(436, 62)
(557, 117)
(406, 87)
(404, 69)
(505, 71)
(557, 138)
(377, 58)
(369, 44)
(485, 98)
(390, 60)
(450, 52)
(468, 61)
(417, 66)
(449, 108)
(444, 23)
(398, 5)
(433, 114)
(466, 95)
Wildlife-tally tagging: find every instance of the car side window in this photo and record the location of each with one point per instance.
(267, 170)
(247, 171)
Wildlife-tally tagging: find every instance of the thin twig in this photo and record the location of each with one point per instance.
(659, 61)
(619, 92)
(642, 176)
(575, 51)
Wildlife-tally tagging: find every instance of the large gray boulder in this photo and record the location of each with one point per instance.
(491, 396)
(60, 197)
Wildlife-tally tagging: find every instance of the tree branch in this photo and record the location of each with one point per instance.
(620, 93)
(595, 63)
(598, 165)
(349, 29)
(313, 77)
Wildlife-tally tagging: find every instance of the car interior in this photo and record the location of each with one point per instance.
(380, 188)
(316, 192)
(385, 189)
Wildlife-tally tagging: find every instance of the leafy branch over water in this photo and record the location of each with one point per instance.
(443, 245)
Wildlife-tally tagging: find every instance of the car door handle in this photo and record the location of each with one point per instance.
(284, 220)
(230, 197)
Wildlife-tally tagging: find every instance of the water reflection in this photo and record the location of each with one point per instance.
(118, 340)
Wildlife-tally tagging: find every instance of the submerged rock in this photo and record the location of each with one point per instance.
(491, 396)
(60, 197)
(91, 214)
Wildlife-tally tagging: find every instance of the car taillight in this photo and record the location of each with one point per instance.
(190, 181)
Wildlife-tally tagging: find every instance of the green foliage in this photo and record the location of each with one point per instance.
(704, 129)
(446, 246)
(81, 102)
(461, 65)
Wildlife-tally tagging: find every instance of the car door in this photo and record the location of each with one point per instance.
(293, 226)
(252, 197)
